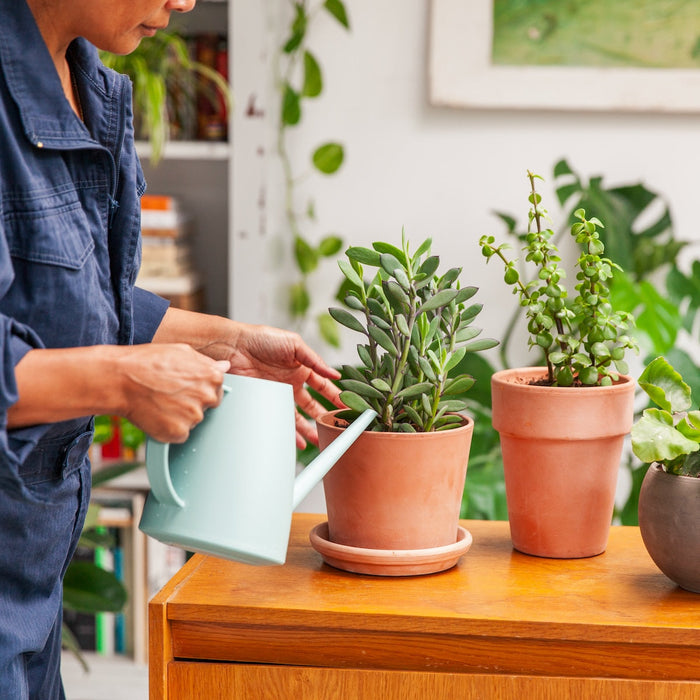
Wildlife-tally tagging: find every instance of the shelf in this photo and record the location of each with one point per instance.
(188, 150)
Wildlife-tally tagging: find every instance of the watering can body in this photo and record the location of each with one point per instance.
(230, 489)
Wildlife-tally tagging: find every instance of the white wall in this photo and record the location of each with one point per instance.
(437, 171)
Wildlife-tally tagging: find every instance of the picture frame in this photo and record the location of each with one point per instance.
(461, 74)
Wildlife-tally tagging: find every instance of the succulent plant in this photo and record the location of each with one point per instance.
(584, 342)
(416, 328)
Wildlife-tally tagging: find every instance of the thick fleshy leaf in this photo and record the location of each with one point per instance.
(383, 340)
(354, 401)
(366, 256)
(361, 388)
(345, 318)
(350, 273)
(415, 390)
(442, 298)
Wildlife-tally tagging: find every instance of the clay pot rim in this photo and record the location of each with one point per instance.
(656, 466)
(519, 377)
(326, 419)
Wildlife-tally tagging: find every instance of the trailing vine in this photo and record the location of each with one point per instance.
(301, 79)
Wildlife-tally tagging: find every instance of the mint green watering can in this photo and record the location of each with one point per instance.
(230, 489)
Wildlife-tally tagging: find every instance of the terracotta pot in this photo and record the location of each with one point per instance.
(561, 454)
(396, 490)
(669, 520)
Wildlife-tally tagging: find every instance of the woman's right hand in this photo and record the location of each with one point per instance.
(167, 388)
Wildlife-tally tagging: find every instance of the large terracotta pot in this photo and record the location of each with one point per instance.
(669, 520)
(561, 454)
(396, 491)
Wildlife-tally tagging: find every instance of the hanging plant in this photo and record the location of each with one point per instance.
(301, 79)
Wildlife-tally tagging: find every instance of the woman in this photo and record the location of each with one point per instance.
(76, 338)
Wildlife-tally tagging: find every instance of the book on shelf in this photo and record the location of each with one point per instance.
(167, 266)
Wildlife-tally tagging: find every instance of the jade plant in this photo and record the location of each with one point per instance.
(668, 434)
(583, 342)
(416, 328)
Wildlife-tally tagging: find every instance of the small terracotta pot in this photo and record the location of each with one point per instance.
(561, 454)
(396, 490)
(669, 520)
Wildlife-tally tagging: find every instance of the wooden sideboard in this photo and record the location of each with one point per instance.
(500, 625)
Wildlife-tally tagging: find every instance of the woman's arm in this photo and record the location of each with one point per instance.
(162, 389)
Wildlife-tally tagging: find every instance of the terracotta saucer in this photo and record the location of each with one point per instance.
(389, 562)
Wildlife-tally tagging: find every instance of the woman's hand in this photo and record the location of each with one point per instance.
(168, 387)
(259, 351)
(282, 356)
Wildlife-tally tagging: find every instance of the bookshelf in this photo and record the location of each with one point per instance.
(226, 186)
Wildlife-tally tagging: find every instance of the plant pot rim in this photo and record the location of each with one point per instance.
(328, 421)
(522, 376)
(657, 467)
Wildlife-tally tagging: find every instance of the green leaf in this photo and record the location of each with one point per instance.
(328, 329)
(305, 256)
(88, 588)
(350, 273)
(366, 256)
(429, 266)
(459, 385)
(379, 383)
(291, 106)
(313, 82)
(415, 390)
(353, 401)
(383, 340)
(479, 345)
(364, 355)
(337, 9)
(382, 247)
(299, 301)
(665, 386)
(452, 405)
(655, 439)
(361, 388)
(345, 318)
(455, 358)
(442, 298)
(328, 158)
(690, 426)
(329, 246)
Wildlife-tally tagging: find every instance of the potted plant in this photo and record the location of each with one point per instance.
(668, 438)
(160, 67)
(562, 425)
(395, 495)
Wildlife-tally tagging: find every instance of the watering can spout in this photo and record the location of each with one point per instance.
(314, 472)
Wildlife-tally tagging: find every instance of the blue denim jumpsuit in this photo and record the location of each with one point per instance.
(69, 254)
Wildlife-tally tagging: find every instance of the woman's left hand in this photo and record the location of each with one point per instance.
(282, 356)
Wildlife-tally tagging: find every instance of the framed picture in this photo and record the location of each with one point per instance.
(593, 55)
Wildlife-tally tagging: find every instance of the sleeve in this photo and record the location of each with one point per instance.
(149, 310)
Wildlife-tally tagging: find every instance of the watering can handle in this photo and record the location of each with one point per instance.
(314, 472)
(158, 470)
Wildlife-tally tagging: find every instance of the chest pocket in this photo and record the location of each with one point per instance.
(51, 230)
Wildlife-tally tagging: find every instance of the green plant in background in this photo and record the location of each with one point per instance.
(416, 329)
(161, 64)
(296, 59)
(668, 434)
(583, 342)
(88, 588)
